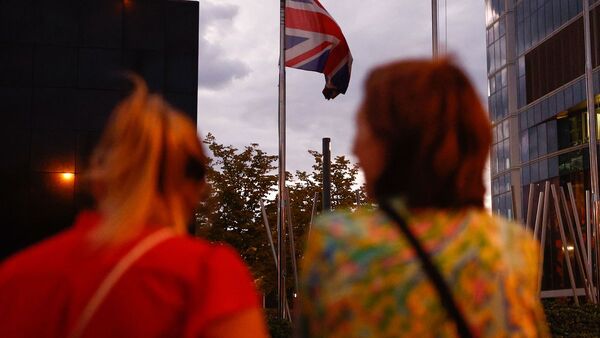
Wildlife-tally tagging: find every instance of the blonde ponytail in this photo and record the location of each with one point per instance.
(143, 134)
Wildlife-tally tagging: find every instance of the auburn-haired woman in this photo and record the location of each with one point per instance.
(128, 269)
(430, 261)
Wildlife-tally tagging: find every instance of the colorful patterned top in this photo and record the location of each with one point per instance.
(360, 278)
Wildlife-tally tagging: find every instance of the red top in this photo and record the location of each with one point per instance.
(174, 290)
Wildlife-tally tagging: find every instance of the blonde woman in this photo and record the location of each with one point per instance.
(128, 269)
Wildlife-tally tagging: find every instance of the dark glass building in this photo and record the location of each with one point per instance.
(537, 104)
(61, 66)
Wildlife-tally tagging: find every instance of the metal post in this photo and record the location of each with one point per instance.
(578, 249)
(268, 228)
(270, 236)
(529, 206)
(281, 207)
(292, 243)
(538, 215)
(583, 248)
(564, 245)
(434, 29)
(543, 237)
(512, 213)
(588, 227)
(326, 174)
(596, 236)
(591, 123)
(312, 214)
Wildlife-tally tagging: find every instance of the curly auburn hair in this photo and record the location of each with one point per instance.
(435, 132)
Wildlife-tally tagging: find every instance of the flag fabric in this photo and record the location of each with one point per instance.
(314, 42)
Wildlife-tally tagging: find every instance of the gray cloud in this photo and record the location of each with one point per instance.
(217, 68)
(244, 110)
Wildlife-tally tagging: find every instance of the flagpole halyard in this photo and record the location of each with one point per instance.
(281, 186)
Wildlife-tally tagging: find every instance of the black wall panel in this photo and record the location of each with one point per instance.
(61, 74)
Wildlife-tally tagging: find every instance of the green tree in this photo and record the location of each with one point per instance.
(231, 212)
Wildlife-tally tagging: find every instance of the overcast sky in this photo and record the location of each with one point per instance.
(238, 72)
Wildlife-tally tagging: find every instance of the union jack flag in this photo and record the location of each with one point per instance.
(314, 42)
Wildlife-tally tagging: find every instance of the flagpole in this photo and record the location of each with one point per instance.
(281, 205)
(434, 29)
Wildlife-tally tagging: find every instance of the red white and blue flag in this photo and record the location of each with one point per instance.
(314, 42)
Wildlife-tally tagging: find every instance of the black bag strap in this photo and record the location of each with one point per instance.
(432, 272)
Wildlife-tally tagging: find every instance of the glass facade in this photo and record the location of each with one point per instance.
(498, 107)
(536, 19)
(549, 108)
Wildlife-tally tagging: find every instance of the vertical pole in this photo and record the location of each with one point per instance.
(326, 174)
(583, 248)
(529, 207)
(596, 236)
(591, 122)
(564, 245)
(291, 238)
(281, 206)
(268, 228)
(312, 214)
(543, 236)
(270, 236)
(588, 226)
(434, 29)
(512, 215)
(538, 215)
(577, 248)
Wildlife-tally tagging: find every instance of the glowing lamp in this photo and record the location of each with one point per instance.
(67, 177)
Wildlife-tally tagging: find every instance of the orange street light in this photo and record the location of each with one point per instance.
(67, 177)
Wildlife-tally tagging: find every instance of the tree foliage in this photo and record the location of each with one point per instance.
(240, 178)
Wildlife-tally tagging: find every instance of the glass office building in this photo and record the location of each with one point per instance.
(537, 105)
(61, 66)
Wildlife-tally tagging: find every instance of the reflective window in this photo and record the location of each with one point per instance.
(525, 177)
(558, 129)
(498, 95)
(573, 162)
(556, 13)
(534, 27)
(496, 43)
(537, 113)
(542, 139)
(548, 21)
(543, 168)
(560, 101)
(552, 136)
(573, 8)
(530, 117)
(525, 146)
(572, 130)
(502, 203)
(552, 110)
(533, 143)
(568, 93)
(553, 167)
(538, 19)
(534, 172)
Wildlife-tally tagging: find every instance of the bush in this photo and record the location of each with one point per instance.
(278, 328)
(569, 320)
